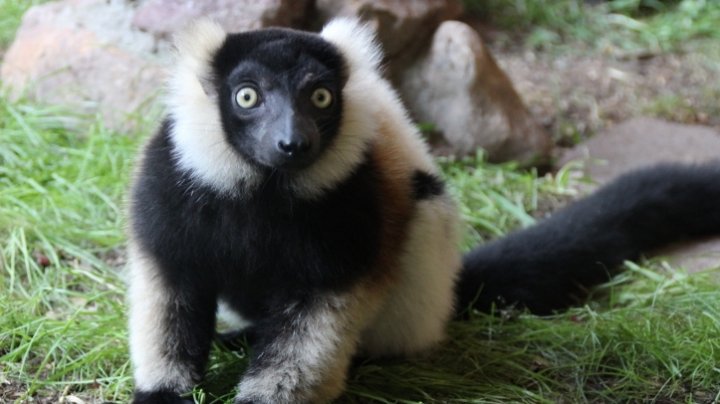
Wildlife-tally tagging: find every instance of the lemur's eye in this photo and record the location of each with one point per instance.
(321, 97)
(246, 97)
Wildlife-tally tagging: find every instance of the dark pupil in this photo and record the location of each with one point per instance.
(246, 96)
(321, 97)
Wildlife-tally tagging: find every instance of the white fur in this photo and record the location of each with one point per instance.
(308, 361)
(199, 142)
(148, 301)
(356, 41)
(200, 145)
(358, 45)
(231, 319)
(417, 310)
(368, 100)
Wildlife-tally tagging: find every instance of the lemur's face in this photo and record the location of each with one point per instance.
(280, 96)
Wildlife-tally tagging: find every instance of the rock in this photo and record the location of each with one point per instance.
(641, 142)
(458, 86)
(108, 57)
(403, 27)
(454, 83)
(694, 256)
(163, 17)
(82, 54)
(92, 56)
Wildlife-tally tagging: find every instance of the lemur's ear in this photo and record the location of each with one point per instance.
(196, 46)
(356, 40)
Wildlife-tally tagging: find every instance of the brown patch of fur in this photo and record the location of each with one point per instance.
(397, 204)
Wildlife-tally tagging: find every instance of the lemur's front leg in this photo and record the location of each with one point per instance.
(304, 349)
(171, 329)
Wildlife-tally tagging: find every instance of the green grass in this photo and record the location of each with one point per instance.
(622, 26)
(62, 321)
(655, 334)
(498, 198)
(10, 13)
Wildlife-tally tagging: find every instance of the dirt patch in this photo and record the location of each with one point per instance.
(12, 391)
(576, 94)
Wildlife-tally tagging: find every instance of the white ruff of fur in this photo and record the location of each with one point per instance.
(199, 142)
(148, 302)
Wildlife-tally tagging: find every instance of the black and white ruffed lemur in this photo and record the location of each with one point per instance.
(288, 187)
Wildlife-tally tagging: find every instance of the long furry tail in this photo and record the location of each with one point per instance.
(550, 265)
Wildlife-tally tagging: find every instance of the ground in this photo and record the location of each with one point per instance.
(652, 334)
(577, 95)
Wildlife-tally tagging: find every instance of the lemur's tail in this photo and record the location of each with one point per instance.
(548, 266)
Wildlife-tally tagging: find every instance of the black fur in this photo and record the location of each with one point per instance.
(215, 245)
(284, 67)
(259, 253)
(272, 255)
(426, 185)
(159, 397)
(549, 266)
(267, 250)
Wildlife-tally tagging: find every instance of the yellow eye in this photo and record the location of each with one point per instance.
(321, 97)
(247, 97)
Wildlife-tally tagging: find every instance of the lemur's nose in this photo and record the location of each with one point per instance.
(293, 147)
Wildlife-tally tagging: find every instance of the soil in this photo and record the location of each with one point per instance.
(578, 93)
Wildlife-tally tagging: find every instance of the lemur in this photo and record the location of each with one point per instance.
(289, 187)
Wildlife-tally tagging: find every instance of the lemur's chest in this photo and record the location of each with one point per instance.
(266, 249)
(266, 234)
(273, 240)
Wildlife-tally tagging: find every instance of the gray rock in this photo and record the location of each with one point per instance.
(82, 54)
(694, 256)
(163, 17)
(458, 86)
(641, 142)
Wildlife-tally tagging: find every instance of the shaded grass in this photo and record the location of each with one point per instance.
(636, 26)
(656, 339)
(653, 333)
